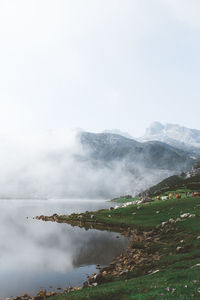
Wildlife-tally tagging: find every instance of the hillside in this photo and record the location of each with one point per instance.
(107, 147)
(185, 181)
(163, 259)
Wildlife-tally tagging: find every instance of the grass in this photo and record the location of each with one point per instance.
(165, 192)
(177, 282)
(176, 278)
(147, 217)
(124, 199)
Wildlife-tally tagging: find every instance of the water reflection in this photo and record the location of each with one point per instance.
(36, 254)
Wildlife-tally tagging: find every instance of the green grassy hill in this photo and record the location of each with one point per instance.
(173, 183)
(163, 260)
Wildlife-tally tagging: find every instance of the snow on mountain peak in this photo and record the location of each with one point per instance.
(119, 132)
(173, 134)
(154, 128)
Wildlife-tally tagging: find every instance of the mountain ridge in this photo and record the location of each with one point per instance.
(173, 134)
(156, 154)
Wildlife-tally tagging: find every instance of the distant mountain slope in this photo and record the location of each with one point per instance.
(119, 132)
(189, 180)
(107, 147)
(175, 135)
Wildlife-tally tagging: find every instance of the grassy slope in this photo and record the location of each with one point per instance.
(174, 268)
(172, 183)
(123, 199)
(144, 218)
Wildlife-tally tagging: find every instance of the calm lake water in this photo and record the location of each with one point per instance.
(36, 254)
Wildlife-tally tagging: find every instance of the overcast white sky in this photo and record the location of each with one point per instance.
(99, 64)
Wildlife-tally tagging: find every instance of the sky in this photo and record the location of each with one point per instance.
(99, 64)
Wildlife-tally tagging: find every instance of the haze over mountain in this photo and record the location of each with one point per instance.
(118, 131)
(81, 164)
(175, 135)
(134, 165)
(108, 147)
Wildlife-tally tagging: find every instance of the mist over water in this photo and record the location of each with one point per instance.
(53, 166)
(35, 254)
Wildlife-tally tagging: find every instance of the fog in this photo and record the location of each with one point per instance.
(35, 254)
(53, 164)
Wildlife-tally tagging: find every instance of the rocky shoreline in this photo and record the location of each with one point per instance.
(140, 256)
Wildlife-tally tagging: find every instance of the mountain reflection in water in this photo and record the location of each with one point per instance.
(36, 254)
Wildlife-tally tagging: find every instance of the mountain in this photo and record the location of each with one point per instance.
(174, 135)
(108, 147)
(119, 165)
(119, 132)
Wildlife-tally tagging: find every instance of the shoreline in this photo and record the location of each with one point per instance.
(158, 239)
(119, 266)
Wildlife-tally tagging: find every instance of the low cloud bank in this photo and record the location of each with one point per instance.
(54, 165)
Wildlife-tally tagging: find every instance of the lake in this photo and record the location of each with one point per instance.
(38, 255)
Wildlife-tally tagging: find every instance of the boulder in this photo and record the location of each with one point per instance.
(85, 284)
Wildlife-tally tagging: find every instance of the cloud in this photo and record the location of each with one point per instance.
(55, 165)
(98, 64)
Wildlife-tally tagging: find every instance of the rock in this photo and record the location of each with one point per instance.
(186, 215)
(95, 284)
(178, 220)
(179, 249)
(164, 224)
(192, 216)
(171, 221)
(99, 278)
(85, 284)
(146, 200)
(49, 294)
(154, 272)
(92, 216)
(41, 295)
(68, 289)
(197, 265)
(77, 288)
(123, 272)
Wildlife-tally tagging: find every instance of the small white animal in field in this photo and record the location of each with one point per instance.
(164, 197)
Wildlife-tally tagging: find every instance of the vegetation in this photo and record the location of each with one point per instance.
(146, 217)
(177, 282)
(190, 183)
(176, 274)
(124, 199)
